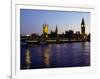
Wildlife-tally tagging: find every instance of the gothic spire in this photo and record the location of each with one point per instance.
(56, 29)
(82, 23)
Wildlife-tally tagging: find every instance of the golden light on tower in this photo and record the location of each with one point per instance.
(45, 30)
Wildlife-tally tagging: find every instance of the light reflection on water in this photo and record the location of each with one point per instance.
(47, 57)
(55, 55)
(28, 58)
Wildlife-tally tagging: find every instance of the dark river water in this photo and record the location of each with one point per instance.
(55, 55)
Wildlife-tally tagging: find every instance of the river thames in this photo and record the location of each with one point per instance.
(55, 55)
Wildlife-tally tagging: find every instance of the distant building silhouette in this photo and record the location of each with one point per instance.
(54, 34)
(69, 35)
(56, 30)
(83, 29)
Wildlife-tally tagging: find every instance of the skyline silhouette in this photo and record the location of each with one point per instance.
(31, 21)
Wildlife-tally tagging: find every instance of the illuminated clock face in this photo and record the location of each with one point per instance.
(82, 25)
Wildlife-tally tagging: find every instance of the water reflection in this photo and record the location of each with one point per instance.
(55, 55)
(47, 56)
(28, 58)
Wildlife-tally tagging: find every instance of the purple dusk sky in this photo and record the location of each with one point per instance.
(31, 21)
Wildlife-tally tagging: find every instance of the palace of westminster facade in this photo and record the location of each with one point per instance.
(68, 34)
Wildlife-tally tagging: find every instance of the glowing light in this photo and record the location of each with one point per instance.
(27, 35)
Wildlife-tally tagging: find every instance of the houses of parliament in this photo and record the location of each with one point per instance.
(55, 37)
(69, 34)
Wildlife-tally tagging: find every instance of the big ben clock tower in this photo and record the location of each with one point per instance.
(83, 29)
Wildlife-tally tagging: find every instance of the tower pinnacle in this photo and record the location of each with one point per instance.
(82, 23)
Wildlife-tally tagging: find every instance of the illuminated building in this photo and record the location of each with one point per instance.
(45, 30)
